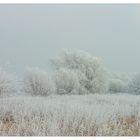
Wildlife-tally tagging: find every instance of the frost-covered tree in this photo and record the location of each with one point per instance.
(134, 85)
(37, 82)
(116, 85)
(87, 68)
(7, 83)
(66, 81)
(118, 81)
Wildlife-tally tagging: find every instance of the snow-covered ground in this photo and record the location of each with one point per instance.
(71, 115)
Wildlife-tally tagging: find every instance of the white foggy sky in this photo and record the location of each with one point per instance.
(32, 34)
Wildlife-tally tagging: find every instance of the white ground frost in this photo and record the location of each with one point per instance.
(70, 115)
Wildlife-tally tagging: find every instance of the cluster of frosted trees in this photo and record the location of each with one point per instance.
(79, 73)
(75, 72)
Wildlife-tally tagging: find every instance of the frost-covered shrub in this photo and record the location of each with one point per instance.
(116, 85)
(88, 69)
(134, 85)
(7, 83)
(37, 82)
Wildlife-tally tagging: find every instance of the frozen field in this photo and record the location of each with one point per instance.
(70, 115)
